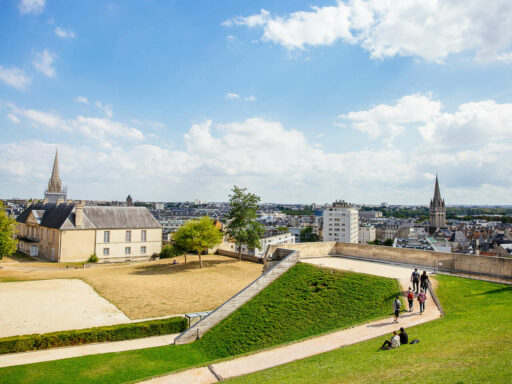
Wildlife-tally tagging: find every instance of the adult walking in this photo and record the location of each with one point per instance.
(424, 281)
(415, 279)
(397, 304)
(410, 298)
(422, 297)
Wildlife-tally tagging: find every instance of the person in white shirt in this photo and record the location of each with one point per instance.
(394, 342)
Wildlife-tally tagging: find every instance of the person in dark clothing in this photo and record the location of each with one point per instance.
(404, 337)
(424, 281)
(415, 278)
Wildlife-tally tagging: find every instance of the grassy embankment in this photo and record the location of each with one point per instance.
(304, 302)
(470, 345)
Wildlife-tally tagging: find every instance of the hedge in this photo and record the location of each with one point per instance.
(117, 332)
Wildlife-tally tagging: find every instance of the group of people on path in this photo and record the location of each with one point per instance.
(420, 293)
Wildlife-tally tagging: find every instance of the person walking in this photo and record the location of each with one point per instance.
(396, 307)
(410, 298)
(424, 281)
(415, 279)
(422, 297)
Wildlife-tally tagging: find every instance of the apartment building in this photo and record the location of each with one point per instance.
(341, 223)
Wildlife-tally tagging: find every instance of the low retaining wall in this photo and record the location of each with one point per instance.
(235, 255)
(449, 262)
(308, 250)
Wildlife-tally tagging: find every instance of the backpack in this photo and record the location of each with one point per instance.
(415, 341)
(410, 296)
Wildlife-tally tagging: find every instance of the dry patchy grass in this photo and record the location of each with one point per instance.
(157, 288)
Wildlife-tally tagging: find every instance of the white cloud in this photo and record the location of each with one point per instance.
(82, 100)
(63, 33)
(232, 96)
(15, 119)
(31, 6)
(14, 77)
(230, 38)
(250, 98)
(44, 63)
(389, 119)
(106, 108)
(430, 29)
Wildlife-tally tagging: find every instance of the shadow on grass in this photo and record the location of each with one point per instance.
(492, 292)
(169, 268)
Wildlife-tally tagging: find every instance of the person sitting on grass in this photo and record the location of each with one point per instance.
(174, 262)
(394, 342)
(396, 307)
(404, 337)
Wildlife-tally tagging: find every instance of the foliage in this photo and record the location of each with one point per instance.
(307, 235)
(7, 231)
(93, 258)
(93, 335)
(388, 242)
(241, 224)
(305, 211)
(471, 344)
(171, 250)
(198, 235)
(296, 289)
(283, 229)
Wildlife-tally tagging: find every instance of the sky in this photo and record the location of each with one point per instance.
(298, 101)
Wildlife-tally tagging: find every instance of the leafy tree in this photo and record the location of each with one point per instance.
(241, 225)
(283, 229)
(388, 242)
(7, 231)
(307, 235)
(198, 235)
(171, 250)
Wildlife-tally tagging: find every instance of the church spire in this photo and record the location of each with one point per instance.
(55, 184)
(437, 192)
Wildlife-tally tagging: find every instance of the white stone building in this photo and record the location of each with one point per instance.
(367, 233)
(341, 223)
(282, 238)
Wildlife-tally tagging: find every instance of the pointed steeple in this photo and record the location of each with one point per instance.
(437, 192)
(55, 184)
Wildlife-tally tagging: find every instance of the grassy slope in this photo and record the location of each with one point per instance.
(306, 289)
(470, 345)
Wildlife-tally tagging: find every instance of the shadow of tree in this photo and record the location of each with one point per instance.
(170, 269)
(492, 292)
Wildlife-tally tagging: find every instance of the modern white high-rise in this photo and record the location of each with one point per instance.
(341, 223)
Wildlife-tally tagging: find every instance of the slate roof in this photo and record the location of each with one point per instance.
(63, 216)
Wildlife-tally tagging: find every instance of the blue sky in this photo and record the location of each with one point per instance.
(298, 101)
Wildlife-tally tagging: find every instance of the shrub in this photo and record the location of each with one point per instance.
(93, 335)
(93, 258)
(171, 250)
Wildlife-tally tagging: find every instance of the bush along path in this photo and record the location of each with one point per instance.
(303, 302)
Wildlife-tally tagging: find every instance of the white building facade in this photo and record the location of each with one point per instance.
(366, 234)
(341, 223)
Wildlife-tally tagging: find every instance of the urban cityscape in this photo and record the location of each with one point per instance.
(255, 192)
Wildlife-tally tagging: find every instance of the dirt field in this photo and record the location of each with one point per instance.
(53, 305)
(152, 289)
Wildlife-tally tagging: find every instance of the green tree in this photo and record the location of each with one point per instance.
(307, 235)
(7, 230)
(198, 235)
(388, 242)
(241, 225)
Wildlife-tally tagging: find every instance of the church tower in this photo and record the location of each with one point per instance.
(437, 209)
(55, 191)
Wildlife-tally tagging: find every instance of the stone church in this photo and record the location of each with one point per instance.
(437, 210)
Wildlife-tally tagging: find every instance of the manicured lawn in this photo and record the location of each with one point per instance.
(305, 301)
(472, 344)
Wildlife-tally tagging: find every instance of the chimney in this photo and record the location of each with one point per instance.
(79, 215)
(60, 201)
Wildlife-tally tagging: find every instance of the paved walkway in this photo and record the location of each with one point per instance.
(84, 350)
(282, 355)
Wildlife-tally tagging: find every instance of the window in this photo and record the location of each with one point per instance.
(127, 250)
(143, 235)
(128, 236)
(106, 251)
(142, 250)
(106, 237)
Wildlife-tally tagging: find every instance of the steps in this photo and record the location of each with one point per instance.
(242, 297)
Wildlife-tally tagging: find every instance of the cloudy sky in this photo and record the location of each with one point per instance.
(299, 101)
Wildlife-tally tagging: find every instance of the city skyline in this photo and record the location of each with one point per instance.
(172, 102)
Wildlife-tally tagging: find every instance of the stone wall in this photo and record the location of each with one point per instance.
(307, 250)
(235, 255)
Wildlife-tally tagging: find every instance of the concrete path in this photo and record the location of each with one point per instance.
(84, 350)
(282, 355)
